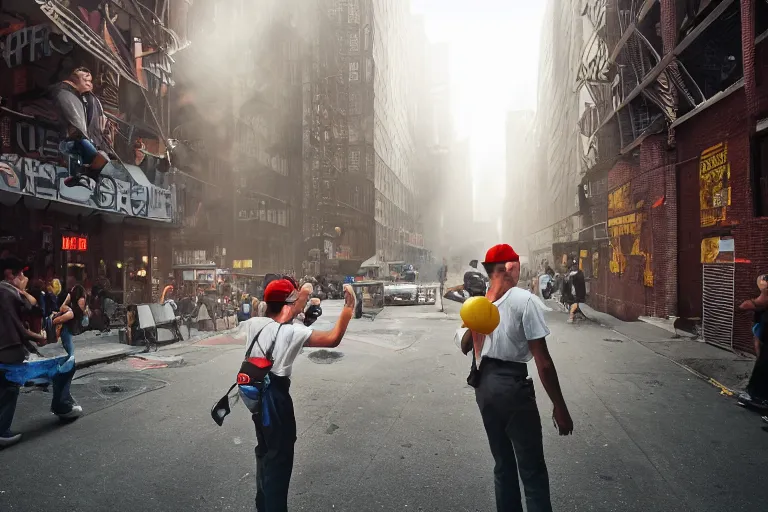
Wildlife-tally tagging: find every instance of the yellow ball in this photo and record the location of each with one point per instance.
(480, 315)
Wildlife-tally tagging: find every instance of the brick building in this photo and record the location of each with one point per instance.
(680, 148)
(112, 232)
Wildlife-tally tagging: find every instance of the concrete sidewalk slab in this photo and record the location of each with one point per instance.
(726, 370)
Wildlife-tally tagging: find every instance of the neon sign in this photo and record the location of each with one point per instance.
(74, 243)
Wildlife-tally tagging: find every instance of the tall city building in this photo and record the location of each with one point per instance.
(519, 204)
(359, 190)
(556, 124)
(397, 233)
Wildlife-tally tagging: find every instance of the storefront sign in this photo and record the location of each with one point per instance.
(74, 243)
(123, 196)
(714, 184)
(242, 263)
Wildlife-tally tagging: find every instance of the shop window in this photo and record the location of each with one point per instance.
(760, 174)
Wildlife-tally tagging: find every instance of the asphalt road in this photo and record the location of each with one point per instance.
(389, 425)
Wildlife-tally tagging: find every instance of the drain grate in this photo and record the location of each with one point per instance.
(112, 389)
(325, 356)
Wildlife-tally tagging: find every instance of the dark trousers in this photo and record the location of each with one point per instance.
(61, 401)
(758, 381)
(507, 404)
(274, 452)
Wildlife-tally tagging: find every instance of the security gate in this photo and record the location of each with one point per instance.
(718, 300)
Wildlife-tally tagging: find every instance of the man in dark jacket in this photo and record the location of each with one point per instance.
(15, 345)
(82, 123)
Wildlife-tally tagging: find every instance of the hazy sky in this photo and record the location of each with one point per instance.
(494, 58)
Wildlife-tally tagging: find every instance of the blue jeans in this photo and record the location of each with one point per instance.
(66, 341)
(83, 147)
(61, 401)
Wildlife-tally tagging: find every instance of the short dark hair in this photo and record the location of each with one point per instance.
(80, 69)
(274, 308)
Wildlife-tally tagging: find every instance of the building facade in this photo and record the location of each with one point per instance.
(111, 232)
(672, 190)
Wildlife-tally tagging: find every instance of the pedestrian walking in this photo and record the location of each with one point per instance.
(505, 393)
(442, 276)
(274, 343)
(16, 345)
(756, 393)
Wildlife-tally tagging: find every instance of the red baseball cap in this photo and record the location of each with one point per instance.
(501, 253)
(281, 290)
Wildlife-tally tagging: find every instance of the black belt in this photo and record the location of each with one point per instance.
(490, 362)
(280, 382)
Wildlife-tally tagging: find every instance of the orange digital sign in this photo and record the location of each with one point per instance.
(74, 243)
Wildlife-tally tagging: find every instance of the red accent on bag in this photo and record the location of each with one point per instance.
(259, 362)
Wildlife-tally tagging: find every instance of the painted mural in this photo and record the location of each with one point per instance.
(116, 191)
(630, 242)
(714, 184)
(717, 249)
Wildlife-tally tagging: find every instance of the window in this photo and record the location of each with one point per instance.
(354, 160)
(354, 42)
(760, 174)
(355, 103)
(354, 71)
(353, 12)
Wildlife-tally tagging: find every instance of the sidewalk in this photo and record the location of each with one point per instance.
(93, 348)
(721, 368)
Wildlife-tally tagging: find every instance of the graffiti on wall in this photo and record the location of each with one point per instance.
(714, 184)
(629, 241)
(123, 196)
(31, 44)
(717, 249)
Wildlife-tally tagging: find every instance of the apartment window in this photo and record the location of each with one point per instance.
(353, 12)
(354, 71)
(355, 103)
(354, 160)
(760, 173)
(354, 42)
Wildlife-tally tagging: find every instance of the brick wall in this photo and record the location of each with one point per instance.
(647, 283)
(723, 122)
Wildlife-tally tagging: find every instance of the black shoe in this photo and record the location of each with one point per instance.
(9, 439)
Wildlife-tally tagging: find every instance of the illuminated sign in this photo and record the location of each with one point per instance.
(74, 243)
(242, 264)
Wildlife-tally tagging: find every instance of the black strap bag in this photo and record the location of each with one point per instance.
(254, 372)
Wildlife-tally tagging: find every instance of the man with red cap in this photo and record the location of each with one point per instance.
(278, 342)
(504, 391)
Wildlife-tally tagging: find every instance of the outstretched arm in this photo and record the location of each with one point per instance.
(332, 338)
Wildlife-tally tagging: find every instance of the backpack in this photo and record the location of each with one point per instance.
(252, 381)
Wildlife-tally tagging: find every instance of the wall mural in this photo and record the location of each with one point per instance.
(123, 196)
(629, 241)
(30, 44)
(714, 184)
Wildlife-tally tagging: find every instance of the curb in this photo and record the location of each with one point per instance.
(724, 390)
(79, 365)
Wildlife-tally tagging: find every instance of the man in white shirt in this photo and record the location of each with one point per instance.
(504, 391)
(280, 341)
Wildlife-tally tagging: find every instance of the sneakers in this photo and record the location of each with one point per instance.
(9, 439)
(73, 413)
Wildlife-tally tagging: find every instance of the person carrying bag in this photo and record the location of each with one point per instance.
(264, 382)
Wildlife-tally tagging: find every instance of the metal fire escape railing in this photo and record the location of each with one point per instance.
(661, 66)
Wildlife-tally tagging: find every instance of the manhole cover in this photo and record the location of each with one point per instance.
(613, 340)
(325, 356)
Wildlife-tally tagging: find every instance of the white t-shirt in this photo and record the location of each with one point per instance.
(287, 346)
(521, 321)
